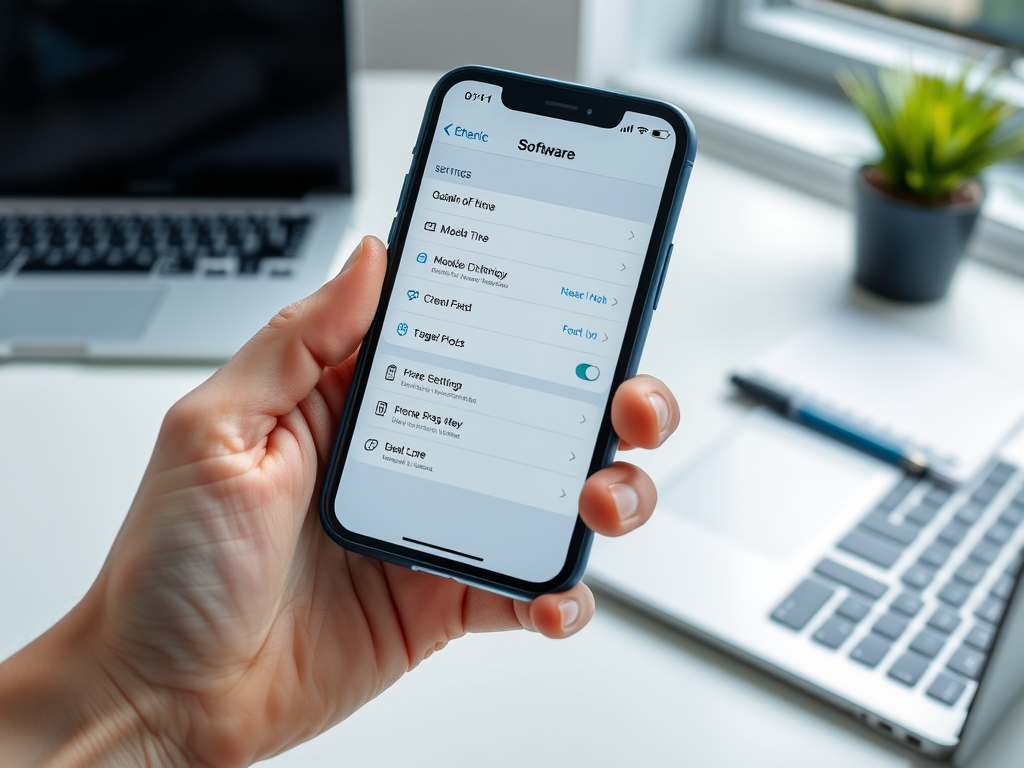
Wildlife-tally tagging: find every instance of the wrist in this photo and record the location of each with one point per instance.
(63, 702)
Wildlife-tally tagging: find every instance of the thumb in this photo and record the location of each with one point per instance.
(282, 363)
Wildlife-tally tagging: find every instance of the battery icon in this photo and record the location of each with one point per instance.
(659, 133)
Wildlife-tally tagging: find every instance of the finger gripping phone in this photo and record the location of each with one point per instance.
(532, 239)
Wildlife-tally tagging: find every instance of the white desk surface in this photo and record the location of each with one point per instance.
(753, 262)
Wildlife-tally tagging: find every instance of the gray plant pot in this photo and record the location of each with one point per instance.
(907, 251)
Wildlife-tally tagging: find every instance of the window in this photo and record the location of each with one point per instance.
(814, 37)
(998, 21)
(758, 79)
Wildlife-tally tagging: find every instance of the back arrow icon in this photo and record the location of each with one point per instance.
(447, 127)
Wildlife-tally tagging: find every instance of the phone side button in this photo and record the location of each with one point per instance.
(664, 271)
(394, 226)
(405, 189)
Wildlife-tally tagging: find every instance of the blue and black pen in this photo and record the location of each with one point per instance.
(911, 461)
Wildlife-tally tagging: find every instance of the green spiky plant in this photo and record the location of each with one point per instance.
(937, 133)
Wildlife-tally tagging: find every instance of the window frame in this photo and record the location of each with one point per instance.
(812, 39)
(764, 95)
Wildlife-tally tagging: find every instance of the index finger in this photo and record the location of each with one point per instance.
(644, 412)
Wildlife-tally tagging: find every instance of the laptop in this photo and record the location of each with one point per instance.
(172, 173)
(892, 597)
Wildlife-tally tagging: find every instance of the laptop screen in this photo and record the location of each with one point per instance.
(196, 98)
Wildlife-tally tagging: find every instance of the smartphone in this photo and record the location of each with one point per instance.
(525, 263)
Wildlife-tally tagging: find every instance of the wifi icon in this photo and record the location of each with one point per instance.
(641, 130)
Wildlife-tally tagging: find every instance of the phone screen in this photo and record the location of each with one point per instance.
(493, 371)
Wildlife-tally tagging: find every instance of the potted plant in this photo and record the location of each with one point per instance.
(918, 203)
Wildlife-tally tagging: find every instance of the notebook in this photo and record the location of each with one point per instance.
(887, 596)
(171, 174)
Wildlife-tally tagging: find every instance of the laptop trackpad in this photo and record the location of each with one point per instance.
(76, 314)
(771, 485)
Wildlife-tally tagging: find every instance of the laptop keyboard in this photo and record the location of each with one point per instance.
(932, 622)
(211, 245)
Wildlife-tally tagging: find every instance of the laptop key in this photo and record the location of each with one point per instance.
(801, 605)
(909, 668)
(937, 496)
(980, 637)
(991, 610)
(967, 662)
(918, 576)
(1019, 498)
(921, 514)
(848, 577)
(985, 493)
(944, 621)
(907, 604)
(1013, 569)
(890, 626)
(834, 632)
(928, 644)
(853, 609)
(946, 689)
(953, 533)
(999, 533)
(870, 651)
(955, 593)
(878, 522)
(969, 513)
(986, 552)
(1012, 516)
(1001, 472)
(936, 555)
(1002, 588)
(873, 550)
(970, 572)
(897, 494)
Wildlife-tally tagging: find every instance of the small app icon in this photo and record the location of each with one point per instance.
(389, 375)
(641, 130)
(413, 295)
(382, 408)
(658, 133)
(403, 328)
(430, 226)
(422, 258)
(370, 445)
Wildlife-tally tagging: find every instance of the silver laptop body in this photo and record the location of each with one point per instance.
(890, 598)
(171, 174)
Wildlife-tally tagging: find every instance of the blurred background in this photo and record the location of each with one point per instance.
(757, 76)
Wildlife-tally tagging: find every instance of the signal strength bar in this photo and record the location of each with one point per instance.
(627, 129)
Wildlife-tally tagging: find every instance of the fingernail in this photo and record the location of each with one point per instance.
(353, 258)
(660, 408)
(627, 502)
(570, 611)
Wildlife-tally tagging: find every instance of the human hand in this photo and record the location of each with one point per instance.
(225, 626)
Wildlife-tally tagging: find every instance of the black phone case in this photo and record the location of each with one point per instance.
(529, 89)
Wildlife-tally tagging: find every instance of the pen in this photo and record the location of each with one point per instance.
(832, 425)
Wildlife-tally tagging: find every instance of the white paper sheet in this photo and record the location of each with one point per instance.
(901, 386)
